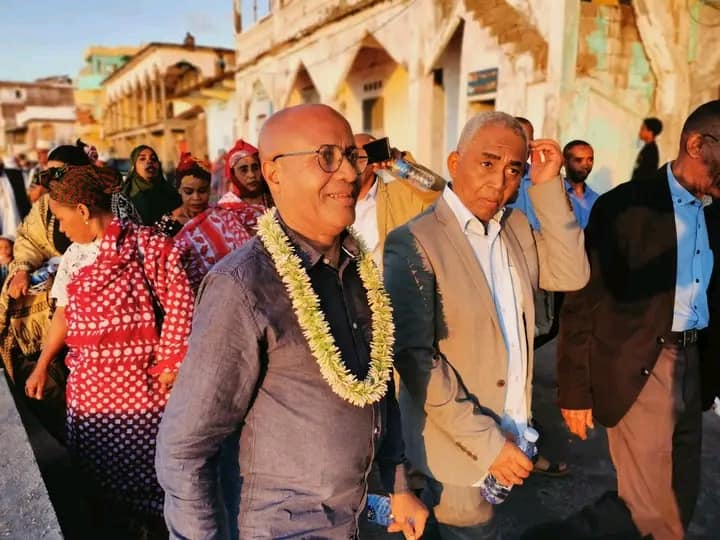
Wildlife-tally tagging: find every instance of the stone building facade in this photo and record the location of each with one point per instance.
(100, 62)
(155, 99)
(40, 110)
(416, 70)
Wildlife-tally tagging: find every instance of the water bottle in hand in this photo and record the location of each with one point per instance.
(418, 175)
(495, 492)
(378, 509)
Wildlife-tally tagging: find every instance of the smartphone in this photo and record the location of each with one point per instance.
(378, 151)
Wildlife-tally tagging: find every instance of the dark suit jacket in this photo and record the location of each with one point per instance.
(610, 330)
(17, 182)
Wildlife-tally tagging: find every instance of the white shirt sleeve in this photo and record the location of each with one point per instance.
(62, 278)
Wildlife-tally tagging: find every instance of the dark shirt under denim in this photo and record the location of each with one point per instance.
(304, 452)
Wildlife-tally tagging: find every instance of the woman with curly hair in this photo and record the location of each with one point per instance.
(124, 307)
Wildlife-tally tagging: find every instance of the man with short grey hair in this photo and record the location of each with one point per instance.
(461, 278)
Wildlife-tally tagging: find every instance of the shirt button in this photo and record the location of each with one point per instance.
(326, 260)
(501, 383)
(645, 372)
(697, 252)
(697, 281)
(354, 325)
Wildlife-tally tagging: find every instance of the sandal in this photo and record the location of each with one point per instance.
(553, 470)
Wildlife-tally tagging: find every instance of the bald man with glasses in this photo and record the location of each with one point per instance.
(291, 347)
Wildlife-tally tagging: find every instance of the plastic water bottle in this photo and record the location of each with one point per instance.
(495, 492)
(378, 509)
(417, 174)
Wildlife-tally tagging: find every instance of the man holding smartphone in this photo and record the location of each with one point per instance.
(383, 206)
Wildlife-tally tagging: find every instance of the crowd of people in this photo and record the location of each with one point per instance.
(243, 368)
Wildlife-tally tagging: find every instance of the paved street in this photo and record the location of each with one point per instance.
(542, 499)
(539, 500)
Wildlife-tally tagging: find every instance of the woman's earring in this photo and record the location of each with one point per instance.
(87, 222)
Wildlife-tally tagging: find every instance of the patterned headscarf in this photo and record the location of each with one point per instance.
(192, 166)
(95, 187)
(235, 154)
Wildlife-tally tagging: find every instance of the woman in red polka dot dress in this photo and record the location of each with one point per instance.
(124, 308)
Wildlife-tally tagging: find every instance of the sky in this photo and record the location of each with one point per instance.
(41, 38)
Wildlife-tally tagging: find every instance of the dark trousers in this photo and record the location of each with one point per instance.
(656, 446)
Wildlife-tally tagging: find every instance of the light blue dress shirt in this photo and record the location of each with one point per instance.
(523, 203)
(581, 207)
(694, 259)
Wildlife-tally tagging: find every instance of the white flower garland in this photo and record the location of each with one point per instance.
(315, 327)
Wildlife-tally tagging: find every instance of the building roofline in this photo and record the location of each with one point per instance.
(36, 84)
(146, 49)
(100, 50)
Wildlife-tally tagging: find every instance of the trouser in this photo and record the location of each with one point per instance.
(461, 512)
(656, 446)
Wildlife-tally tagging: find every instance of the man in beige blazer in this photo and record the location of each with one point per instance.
(461, 277)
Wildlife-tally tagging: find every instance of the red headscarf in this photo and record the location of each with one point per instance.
(192, 166)
(236, 153)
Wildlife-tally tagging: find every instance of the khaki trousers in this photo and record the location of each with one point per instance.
(656, 446)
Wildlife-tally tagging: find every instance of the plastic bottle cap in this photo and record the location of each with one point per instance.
(531, 435)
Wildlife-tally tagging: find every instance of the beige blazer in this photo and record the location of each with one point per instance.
(450, 352)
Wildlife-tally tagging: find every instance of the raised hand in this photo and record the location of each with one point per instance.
(546, 159)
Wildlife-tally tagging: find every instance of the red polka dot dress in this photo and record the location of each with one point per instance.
(128, 312)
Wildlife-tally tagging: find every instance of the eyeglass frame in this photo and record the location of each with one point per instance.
(343, 155)
(51, 174)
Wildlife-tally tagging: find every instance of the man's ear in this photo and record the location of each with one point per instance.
(693, 145)
(270, 172)
(452, 163)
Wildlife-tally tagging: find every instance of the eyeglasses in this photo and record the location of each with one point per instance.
(330, 157)
(713, 137)
(48, 175)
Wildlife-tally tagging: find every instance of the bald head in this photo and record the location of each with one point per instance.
(303, 154)
(361, 139)
(294, 128)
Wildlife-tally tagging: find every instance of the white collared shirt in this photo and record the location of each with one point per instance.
(366, 221)
(504, 285)
(9, 215)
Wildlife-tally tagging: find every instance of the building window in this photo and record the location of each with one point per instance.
(18, 94)
(373, 113)
(372, 86)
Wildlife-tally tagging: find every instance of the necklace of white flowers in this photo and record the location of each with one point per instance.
(316, 330)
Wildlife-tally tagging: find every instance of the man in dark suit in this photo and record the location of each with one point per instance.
(19, 197)
(634, 342)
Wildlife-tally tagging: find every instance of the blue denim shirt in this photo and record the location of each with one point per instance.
(304, 452)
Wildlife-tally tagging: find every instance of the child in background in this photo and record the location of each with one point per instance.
(6, 257)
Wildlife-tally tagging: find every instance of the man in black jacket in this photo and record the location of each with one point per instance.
(634, 343)
(648, 158)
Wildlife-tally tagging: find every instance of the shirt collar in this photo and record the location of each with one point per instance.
(310, 256)
(464, 216)
(372, 193)
(680, 195)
